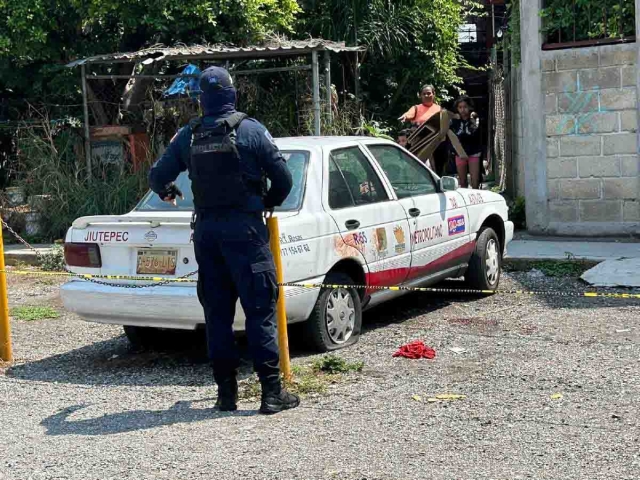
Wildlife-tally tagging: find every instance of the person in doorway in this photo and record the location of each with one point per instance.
(229, 157)
(467, 128)
(418, 114)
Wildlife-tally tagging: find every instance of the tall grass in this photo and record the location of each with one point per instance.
(52, 161)
(52, 165)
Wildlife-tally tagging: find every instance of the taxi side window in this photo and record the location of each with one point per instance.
(407, 176)
(352, 180)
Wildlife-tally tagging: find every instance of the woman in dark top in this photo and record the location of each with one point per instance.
(466, 127)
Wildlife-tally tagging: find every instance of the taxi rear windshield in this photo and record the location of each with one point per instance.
(297, 162)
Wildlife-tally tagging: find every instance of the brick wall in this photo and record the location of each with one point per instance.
(591, 115)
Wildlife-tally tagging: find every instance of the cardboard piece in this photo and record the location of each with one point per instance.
(424, 140)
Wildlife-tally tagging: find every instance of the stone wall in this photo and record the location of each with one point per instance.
(591, 118)
(578, 153)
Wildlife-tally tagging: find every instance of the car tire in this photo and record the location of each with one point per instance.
(144, 337)
(326, 330)
(485, 264)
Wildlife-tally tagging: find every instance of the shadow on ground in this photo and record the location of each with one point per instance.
(133, 420)
(114, 362)
(183, 361)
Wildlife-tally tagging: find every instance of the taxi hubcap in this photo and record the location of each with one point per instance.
(493, 262)
(341, 315)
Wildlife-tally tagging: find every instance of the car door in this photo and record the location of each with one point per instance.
(368, 217)
(438, 222)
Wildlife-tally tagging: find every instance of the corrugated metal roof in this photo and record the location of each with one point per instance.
(220, 52)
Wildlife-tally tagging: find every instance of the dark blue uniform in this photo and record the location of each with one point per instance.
(231, 239)
(259, 155)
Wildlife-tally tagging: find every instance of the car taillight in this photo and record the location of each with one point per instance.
(82, 255)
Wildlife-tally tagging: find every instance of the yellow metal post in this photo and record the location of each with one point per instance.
(6, 353)
(281, 311)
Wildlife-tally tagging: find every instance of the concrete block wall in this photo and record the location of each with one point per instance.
(590, 104)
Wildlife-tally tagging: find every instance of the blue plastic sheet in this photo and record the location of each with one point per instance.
(185, 85)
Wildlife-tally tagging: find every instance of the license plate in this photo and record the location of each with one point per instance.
(157, 262)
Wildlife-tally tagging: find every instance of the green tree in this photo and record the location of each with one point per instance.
(408, 43)
(37, 37)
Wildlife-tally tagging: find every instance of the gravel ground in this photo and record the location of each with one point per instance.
(80, 404)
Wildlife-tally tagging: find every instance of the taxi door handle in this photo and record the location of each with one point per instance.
(414, 212)
(352, 224)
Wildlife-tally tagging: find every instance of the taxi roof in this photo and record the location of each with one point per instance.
(315, 143)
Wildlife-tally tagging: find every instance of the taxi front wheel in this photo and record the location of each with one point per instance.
(336, 319)
(486, 262)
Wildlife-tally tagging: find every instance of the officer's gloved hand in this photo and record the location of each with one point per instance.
(170, 194)
(268, 212)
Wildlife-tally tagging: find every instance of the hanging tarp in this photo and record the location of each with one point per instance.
(187, 85)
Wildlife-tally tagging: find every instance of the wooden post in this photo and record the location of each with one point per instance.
(327, 83)
(6, 352)
(316, 93)
(281, 309)
(87, 137)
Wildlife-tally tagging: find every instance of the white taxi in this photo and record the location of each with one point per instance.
(363, 211)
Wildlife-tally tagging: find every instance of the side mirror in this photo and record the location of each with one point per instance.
(448, 184)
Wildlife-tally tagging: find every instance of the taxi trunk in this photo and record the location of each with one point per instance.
(158, 244)
(132, 245)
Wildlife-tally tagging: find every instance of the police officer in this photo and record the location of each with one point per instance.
(229, 156)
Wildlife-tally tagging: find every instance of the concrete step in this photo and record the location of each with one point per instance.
(16, 254)
(564, 250)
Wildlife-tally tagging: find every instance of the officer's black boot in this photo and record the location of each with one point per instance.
(227, 391)
(274, 398)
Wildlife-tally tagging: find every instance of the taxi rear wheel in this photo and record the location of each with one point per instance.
(336, 319)
(145, 337)
(486, 262)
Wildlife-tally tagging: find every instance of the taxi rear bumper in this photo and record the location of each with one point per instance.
(168, 306)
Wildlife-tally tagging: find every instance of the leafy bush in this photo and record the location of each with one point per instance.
(585, 19)
(333, 364)
(513, 30)
(53, 261)
(517, 213)
(32, 313)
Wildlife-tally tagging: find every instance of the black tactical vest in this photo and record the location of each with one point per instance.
(217, 176)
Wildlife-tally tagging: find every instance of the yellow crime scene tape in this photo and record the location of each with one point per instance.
(283, 345)
(459, 291)
(89, 276)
